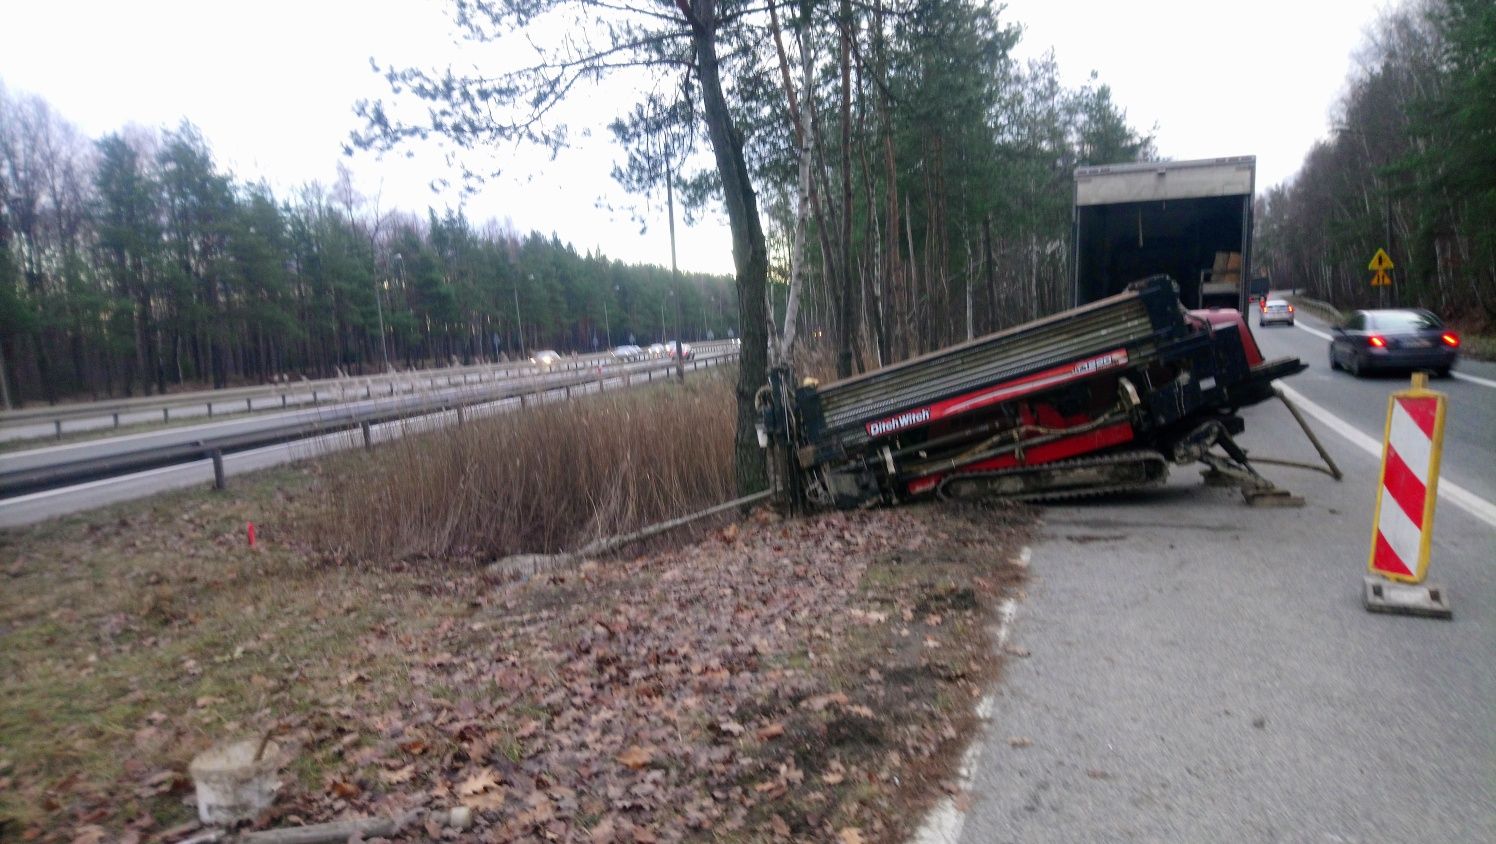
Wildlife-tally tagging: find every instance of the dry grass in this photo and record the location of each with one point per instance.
(1477, 337)
(547, 479)
(133, 637)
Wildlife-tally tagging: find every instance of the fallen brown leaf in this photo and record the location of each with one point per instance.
(491, 799)
(89, 835)
(635, 757)
(478, 783)
(771, 731)
(398, 776)
(820, 702)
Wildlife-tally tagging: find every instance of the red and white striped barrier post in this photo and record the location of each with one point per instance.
(1403, 526)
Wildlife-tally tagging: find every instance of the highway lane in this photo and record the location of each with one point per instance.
(326, 415)
(39, 506)
(109, 414)
(1470, 426)
(1204, 671)
(129, 418)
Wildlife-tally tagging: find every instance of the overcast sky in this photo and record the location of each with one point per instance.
(271, 84)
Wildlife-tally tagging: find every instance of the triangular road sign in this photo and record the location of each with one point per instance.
(1380, 261)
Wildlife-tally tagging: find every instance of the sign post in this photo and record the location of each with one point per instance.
(1380, 264)
(1403, 525)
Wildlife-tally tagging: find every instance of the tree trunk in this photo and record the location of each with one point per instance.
(749, 253)
(849, 288)
(786, 345)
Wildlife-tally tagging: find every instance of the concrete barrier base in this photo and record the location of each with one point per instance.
(1388, 596)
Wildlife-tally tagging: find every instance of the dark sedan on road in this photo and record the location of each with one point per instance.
(1393, 339)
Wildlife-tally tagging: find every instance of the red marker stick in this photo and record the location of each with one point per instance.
(251, 532)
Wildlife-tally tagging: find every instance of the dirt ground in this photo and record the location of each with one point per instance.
(810, 679)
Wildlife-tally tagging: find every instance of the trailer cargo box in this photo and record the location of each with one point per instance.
(1189, 220)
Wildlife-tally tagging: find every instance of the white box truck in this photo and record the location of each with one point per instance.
(1189, 220)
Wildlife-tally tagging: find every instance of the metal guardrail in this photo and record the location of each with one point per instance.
(408, 382)
(64, 472)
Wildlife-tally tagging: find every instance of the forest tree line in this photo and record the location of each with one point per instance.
(934, 204)
(1409, 166)
(892, 162)
(132, 264)
(940, 172)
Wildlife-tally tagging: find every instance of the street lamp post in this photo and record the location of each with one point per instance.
(384, 347)
(518, 320)
(607, 331)
(680, 365)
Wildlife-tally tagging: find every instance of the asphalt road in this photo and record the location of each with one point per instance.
(1204, 671)
(1470, 426)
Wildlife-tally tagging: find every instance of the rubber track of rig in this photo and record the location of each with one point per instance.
(1119, 459)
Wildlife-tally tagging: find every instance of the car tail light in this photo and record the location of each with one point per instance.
(1451, 339)
(1376, 341)
(1290, 308)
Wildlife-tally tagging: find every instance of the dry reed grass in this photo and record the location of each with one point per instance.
(544, 479)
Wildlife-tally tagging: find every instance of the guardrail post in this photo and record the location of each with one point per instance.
(460, 418)
(165, 414)
(568, 392)
(116, 420)
(218, 481)
(249, 405)
(283, 399)
(210, 410)
(314, 397)
(368, 437)
(57, 424)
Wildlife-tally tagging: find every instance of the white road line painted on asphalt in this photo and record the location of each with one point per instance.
(1315, 331)
(1448, 490)
(1484, 382)
(944, 823)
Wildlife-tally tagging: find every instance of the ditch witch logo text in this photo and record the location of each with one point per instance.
(898, 423)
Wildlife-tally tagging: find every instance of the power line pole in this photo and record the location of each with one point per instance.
(4, 380)
(519, 323)
(680, 365)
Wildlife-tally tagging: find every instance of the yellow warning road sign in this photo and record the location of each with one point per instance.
(1381, 262)
(1381, 279)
